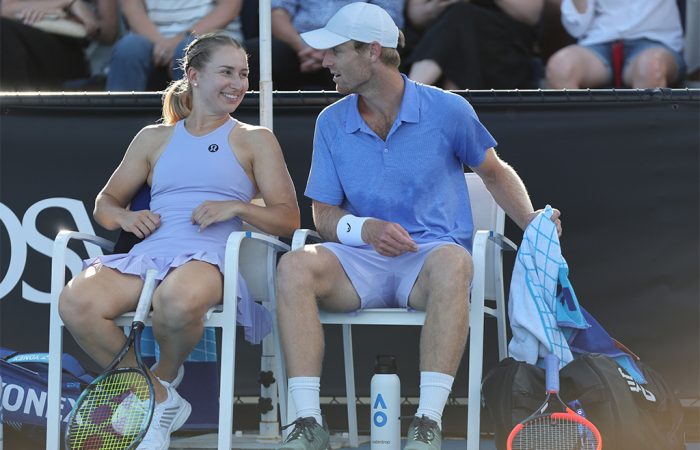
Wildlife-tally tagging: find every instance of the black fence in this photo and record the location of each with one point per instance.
(622, 166)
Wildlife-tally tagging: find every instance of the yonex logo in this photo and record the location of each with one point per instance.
(213, 148)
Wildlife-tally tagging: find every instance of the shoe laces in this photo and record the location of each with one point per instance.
(303, 427)
(423, 429)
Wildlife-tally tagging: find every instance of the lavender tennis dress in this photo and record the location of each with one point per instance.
(191, 170)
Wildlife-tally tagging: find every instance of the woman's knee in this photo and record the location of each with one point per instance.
(652, 68)
(76, 306)
(179, 306)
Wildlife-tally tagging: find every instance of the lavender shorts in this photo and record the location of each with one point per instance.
(382, 281)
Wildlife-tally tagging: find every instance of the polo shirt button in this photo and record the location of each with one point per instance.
(386, 150)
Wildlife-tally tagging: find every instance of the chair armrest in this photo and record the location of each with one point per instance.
(302, 235)
(236, 238)
(64, 236)
(502, 241)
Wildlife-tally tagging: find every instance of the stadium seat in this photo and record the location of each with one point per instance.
(487, 284)
(251, 252)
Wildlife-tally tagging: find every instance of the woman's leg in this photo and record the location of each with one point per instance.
(179, 306)
(575, 67)
(89, 304)
(650, 68)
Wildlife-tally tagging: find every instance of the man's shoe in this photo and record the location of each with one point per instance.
(306, 435)
(167, 417)
(423, 434)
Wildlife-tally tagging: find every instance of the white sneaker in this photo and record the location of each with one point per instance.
(168, 416)
(178, 378)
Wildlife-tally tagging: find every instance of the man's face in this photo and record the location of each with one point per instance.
(350, 67)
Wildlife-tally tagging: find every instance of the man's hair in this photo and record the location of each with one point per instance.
(390, 56)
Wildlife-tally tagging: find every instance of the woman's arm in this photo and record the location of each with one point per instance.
(108, 19)
(421, 13)
(526, 11)
(10, 8)
(132, 173)
(223, 13)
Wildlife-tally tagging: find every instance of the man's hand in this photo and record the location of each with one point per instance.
(210, 212)
(387, 238)
(310, 60)
(141, 223)
(555, 218)
(164, 50)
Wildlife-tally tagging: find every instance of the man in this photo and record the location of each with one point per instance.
(388, 189)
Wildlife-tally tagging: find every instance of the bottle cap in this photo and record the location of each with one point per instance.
(385, 364)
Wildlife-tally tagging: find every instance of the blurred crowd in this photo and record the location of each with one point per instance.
(136, 45)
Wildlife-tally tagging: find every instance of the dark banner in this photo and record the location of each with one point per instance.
(622, 166)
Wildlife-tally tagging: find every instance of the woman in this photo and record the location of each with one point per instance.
(203, 168)
(476, 44)
(34, 59)
(651, 35)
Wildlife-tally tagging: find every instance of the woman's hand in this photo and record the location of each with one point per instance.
(142, 223)
(85, 15)
(211, 212)
(30, 16)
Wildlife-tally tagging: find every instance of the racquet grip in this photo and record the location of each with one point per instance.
(144, 305)
(551, 372)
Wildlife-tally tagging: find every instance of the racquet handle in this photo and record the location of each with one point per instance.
(551, 373)
(144, 305)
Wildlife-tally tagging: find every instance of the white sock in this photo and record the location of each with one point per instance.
(435, 388)
(305, 392)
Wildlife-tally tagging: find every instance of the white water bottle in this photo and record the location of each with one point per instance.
(385, 390)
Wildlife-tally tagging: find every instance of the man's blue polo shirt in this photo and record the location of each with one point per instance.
(415, 177)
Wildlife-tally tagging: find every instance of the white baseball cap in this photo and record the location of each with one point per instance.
(359, 21)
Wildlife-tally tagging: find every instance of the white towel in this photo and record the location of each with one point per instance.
(532, 304)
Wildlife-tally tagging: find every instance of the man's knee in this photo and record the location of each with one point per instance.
(452, 262)
(132, 47)
(294, 270)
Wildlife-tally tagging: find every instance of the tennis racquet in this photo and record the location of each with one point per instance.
(554, 426)
(115, 410)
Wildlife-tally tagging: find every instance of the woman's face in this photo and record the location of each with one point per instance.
(223, 81)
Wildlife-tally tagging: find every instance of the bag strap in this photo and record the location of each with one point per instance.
(69, 363)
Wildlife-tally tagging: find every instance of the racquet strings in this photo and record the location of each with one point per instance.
(112, 413)
(554, 433)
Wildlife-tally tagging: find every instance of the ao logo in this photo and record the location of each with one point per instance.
(379, 418)
(25, 233)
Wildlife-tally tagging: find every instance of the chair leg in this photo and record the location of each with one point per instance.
(269, 427)
(228, 370)
(476, 341)
(350, 386)
(53, 412)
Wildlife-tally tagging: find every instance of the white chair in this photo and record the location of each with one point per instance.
(489, 243)
(252, 253)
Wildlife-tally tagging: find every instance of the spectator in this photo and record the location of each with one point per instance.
(295, 64)
(478, 44)
(159, 32)
(652, 38)
(34, 59)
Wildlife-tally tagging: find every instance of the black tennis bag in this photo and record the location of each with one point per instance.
(628, 415)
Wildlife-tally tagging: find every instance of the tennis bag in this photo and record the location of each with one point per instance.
(627, 414)
(24, 389)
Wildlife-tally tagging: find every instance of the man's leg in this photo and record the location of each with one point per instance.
(442, 290)
(306, 279)
(131, 64)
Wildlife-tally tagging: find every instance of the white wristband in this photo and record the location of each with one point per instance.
(349, 230)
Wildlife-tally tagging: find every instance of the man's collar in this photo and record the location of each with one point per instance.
(409, 111)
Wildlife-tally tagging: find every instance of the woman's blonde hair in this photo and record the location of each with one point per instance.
(177, 98)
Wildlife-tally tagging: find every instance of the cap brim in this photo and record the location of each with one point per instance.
(322, 39)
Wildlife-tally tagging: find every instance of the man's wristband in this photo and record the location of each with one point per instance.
(349, 230)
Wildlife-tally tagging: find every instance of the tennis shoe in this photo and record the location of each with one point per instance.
(423, 434)
(306, 435)
(168, 416)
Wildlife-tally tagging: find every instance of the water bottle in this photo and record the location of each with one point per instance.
(385, 390)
